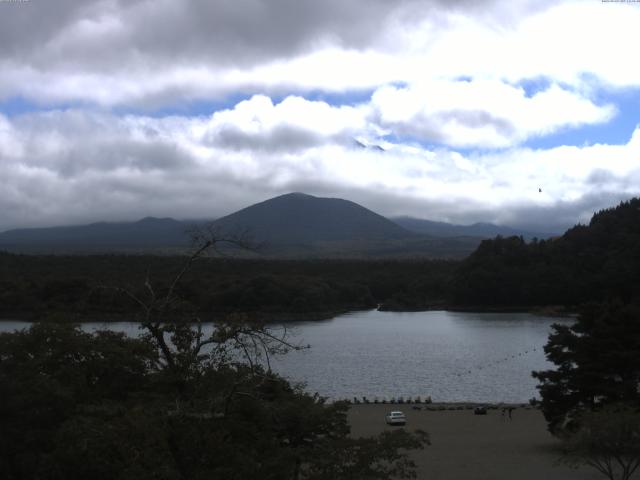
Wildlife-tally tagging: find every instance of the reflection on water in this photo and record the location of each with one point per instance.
(451, 356)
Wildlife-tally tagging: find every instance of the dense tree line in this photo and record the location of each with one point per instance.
(175, 403)
(588, 263)
(40, 286)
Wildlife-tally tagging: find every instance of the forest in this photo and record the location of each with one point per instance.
(86, 286)
(588, 263)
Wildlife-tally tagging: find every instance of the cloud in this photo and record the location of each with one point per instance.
(482, 113)
(293, 124)
(280, 138)
(445, 73)
(563, 214)
(75, 166)
(150, 54)
(455, 113)
(236, 32)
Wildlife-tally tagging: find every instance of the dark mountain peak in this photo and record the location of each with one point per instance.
(294, 195)
(298, 218)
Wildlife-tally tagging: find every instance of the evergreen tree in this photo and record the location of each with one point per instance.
(597, 363)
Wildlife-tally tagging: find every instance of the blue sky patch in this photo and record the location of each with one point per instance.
(533, 86)
(204, 107)
(616, 131)
(16, 106)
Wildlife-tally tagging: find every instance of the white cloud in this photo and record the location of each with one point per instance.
(484, 113)
(72, 166)
(259, 116)
(151, 53)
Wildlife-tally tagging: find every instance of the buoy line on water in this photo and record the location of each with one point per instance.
(499, 361)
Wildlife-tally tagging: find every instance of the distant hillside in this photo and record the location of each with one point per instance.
(482, 230)
(148, 233)
(289, 226)
(297, 225)
(299, 219)
(588, 263)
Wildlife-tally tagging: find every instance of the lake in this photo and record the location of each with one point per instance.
(450, 356)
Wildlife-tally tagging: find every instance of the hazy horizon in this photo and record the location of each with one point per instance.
(193, 219)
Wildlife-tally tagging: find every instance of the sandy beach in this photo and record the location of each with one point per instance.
(476, 447)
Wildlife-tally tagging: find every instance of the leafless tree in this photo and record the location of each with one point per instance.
(183, 345)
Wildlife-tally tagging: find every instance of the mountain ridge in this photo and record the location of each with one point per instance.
(294, 225)
(478, 229)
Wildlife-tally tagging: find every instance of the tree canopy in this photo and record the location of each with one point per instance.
(174, 404)
(597, 363)
(588, 263)
(104, 406)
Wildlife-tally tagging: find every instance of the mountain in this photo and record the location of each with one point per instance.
(295, 225)
(148, 233)
(297, 218)
(482, 230)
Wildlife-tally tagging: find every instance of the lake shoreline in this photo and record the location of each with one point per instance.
(289, 317)
(560, 311)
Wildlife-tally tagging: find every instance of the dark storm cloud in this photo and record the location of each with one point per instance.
(72, 142)
(100, 33)
(149, 54)
(127, 154)
(282, 138)
(42, 198)
(27, 26)
(77, 167)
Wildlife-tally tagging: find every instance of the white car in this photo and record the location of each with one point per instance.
(396, 418)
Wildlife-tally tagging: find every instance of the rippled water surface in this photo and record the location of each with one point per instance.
(450, 356)
(484, 357)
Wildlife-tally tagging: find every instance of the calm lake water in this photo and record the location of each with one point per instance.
(450, 356)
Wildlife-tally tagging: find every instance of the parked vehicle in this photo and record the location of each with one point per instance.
(480, 410)
(396, 418)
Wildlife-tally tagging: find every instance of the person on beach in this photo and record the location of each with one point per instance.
(511, 409)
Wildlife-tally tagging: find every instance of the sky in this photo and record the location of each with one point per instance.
(522, 113)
